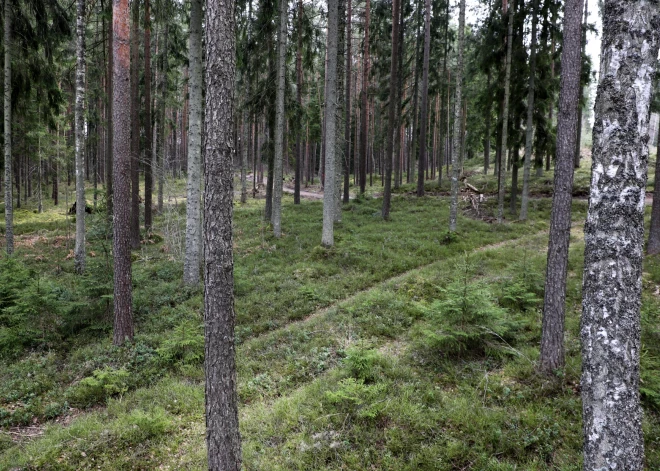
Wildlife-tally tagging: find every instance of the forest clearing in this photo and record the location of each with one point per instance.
(330, 235)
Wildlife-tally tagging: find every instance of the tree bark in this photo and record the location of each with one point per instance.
(327, 238)
(109, 164)
(341, 105)
(529, 130)
(505, 118)
(392, 128)
(653, 246)
(121, 169)
(578, 142)
(425, 96)
(148, 129)
(9, 208)
(79, 251)
(455, 154)
(222, 433)
(614, 237)
(192, 261)
(347, 123)
(279, 121)
(135, 128)
(364, 121)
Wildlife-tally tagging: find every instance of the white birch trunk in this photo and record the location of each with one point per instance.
(79, 251)
(614, 238)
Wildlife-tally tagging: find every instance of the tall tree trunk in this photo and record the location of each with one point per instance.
(135, 129)
(121, 169)
(347, 123)
(444, 138)
(192, 260)
(341, 106)
(161, 156)
(279, 121)
(456, 151)
(487, 132)
(392, 128)
(653, 246)
(399, 97)
(299, 78)
(425, 97)
(79, 252)
(148, 129)
(578, 143)
(552, 335)
(222, 434)
(364, 121)
(529, 127)
(109, 164)
(327, 238)
(56, 166)
(614, 238)
(505, 117)
(9, 208)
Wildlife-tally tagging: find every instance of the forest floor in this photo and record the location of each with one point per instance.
(401, 348)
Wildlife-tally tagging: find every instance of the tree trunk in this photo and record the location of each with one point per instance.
(279, 121)
(505, 118)
(299, 130)
(161, 155)
(341, 105)
(192, 261)
(121, 169)
(614, 238)
(109, 164)
(456, 151)
(9, 208)
(135, 129)
(425, 97)
(364, 121)
(653, 246)
(392, 128)
(148, 129)
(347, 123)
(79, 252)
(578, 142)
(222, 434)
(327, 238)
(529, 127)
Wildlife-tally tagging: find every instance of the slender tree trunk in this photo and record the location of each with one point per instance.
(135, 129)
(9, 208)
(456, 151)
(222, 434)
(444, 134)
(299, 77)
(327, 238)
(109, 164)
(365, 100)
(529, 127)
(487, 132)
(56, 166)
(552, 336)
(515, 164)
(121, 169)
(79, 252)
(578, 143)
(653, 246)
(279, 121)
(392, 128)
(341, 106)
(192, 261)
(347, 124)
(399, 94)
(161, 155)
(505, 117)
(425, 97)
(148, 129)
(614, 238)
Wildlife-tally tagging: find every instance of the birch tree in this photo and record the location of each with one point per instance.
(192, 260)
(79, 251)
(222, 433)
(614, 236)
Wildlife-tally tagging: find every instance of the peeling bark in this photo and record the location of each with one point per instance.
(614, 235)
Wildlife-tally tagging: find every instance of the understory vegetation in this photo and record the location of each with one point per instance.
(399, 348)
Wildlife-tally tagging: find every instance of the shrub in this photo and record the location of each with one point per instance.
(99, 387)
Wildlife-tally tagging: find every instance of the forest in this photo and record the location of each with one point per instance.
(330, 235)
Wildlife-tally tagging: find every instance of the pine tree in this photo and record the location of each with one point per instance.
(276, 217)
(222, 433)
(9, 207)
(456, 146)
